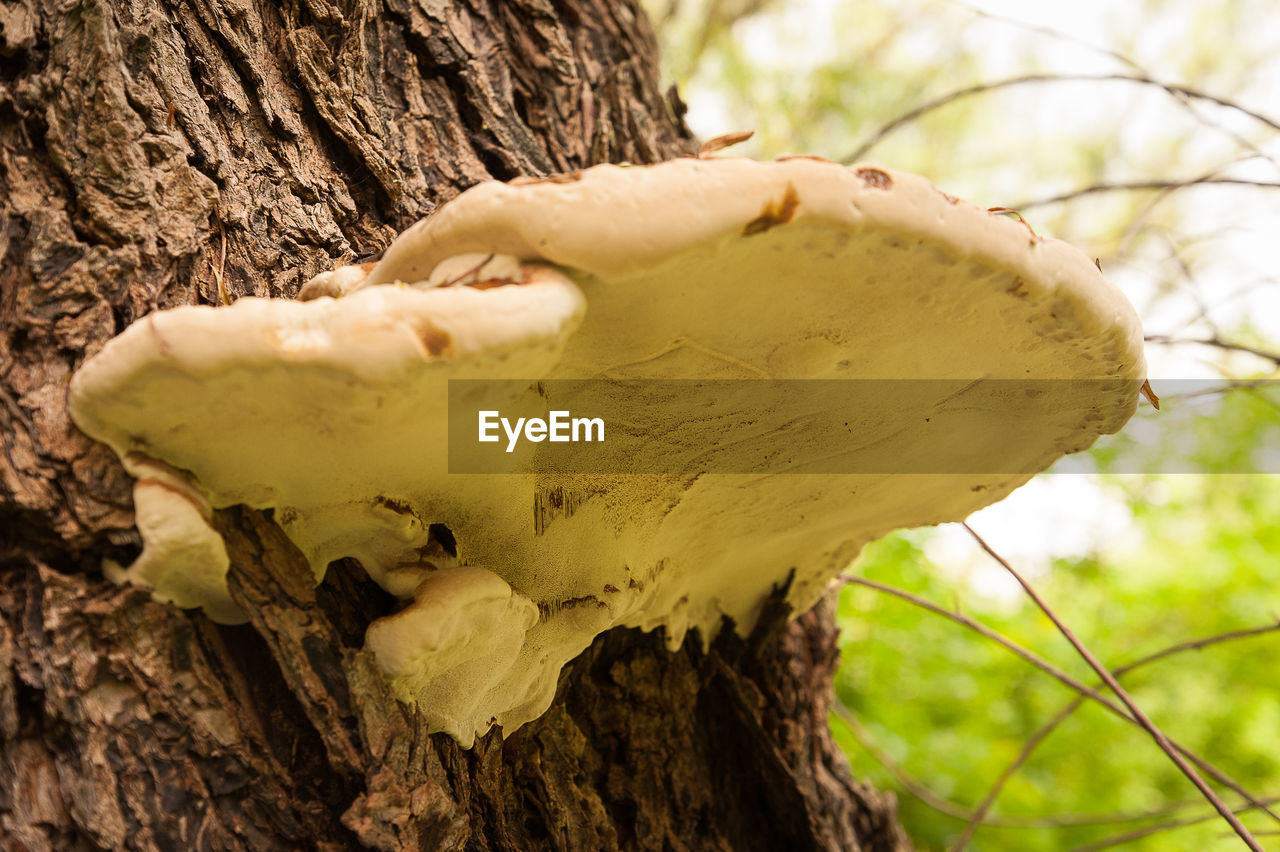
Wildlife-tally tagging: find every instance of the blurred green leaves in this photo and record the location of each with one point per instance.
(937, 708)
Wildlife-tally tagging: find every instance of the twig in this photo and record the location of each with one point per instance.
(1139, 185)
(1059, 675)
(1161, 740)
(957, 811)
(977, 626)
(473, 270)
(984, 806)
(1183, 100)
(950, 97)
(1042, 733)
(1198, 645)
(910, 784)
(1216, 342)
(1148, 830)
(1051, 33)
(1227, 386)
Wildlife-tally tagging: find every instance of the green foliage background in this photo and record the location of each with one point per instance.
(938, 711)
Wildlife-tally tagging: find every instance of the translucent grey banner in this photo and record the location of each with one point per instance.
(916, 426)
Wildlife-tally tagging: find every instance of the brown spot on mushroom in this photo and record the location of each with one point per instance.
(490, 283)
(1019, 288)
(397, 506)
(436, 341)
(772, 215)
(611, 588)
(167, 486)
(951, 199)
(875, 178)
(782, 158)
(549, 608)
(552, 503)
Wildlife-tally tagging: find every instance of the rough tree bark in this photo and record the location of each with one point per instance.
(155, 154)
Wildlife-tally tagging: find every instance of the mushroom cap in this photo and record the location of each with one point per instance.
(700, 246)
(331, 411)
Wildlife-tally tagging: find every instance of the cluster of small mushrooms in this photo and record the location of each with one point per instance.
(331, 410)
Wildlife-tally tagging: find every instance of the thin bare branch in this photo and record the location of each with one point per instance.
(1159, 736)
(1000, 639)
(957, 811)
(1139, 222)
(984, 806)
(717, 18)
(1174, 90)
(882, 757)
(1058, 674)
(1227, 387)
(1216, 342)
(1198, 645)
(1169, 825)
(1050, 32)
(1128, 62)
(1042, 733)
(1141, 185)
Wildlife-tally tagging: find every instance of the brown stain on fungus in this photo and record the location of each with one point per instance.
(400, 507)
(874, 178)
(546, 609)
(436, 341)
(774, 214)
(491, 283)
(168, 486)
(552, 503)
(782, 158)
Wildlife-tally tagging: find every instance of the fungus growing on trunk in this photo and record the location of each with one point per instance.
(332, 410)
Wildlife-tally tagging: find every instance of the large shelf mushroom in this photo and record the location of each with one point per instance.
(332, 410)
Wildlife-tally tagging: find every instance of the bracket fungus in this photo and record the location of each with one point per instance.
(332, 410)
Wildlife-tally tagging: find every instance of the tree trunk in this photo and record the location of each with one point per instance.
(156, 154)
